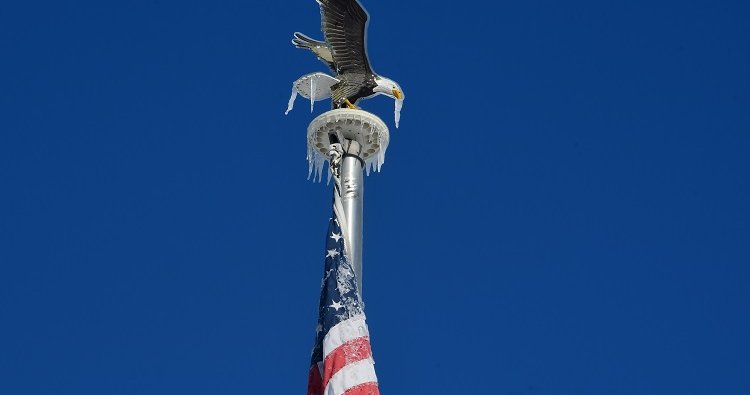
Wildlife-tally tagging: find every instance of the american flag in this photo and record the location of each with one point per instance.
(342, 361)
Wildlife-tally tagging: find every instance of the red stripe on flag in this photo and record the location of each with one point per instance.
(351, 351)
(315, 382)
(364, 389)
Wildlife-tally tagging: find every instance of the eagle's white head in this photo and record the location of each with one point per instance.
(389, 87)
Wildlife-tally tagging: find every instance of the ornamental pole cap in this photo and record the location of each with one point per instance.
(346, 124)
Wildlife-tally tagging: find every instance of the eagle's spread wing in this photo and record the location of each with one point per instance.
(319, 48)
(344, 24)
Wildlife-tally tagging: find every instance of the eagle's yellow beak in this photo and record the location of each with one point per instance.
(397, 94)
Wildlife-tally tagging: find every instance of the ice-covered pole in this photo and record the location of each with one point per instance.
(354, 142)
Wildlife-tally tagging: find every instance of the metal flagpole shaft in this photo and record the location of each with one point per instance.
(352, 191)
(353, 142)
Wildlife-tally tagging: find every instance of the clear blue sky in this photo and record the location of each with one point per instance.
(564, 209)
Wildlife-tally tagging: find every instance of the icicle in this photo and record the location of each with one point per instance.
(310, 159)
(307, 86)
(312, 92)
(397, 111)
(315, 163)
(383, 147)
(375, 162)
(321, 165)
(291, 100)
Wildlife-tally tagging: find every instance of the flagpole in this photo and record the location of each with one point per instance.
(352, 141)
(352, 196)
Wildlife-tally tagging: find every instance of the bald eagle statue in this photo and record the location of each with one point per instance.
(344, 25)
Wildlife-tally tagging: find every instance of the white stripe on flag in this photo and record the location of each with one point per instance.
(343, 332)
(350, 376)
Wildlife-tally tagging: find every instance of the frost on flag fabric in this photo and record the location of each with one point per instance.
(341, 359)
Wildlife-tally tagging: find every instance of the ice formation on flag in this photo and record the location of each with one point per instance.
(341, 360)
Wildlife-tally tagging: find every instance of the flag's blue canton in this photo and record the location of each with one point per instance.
(339, 299)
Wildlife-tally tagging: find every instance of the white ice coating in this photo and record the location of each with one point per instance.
(290, 106)
(375, 142)
(314, 86)
(346, 284)
(312, 94)
(315, 163)
(375, 162)
(397, 110)
(317, 87)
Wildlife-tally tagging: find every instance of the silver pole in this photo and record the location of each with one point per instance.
(352, 191)
(349, 140)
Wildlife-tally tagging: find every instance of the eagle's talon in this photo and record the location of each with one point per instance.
(350, 105)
